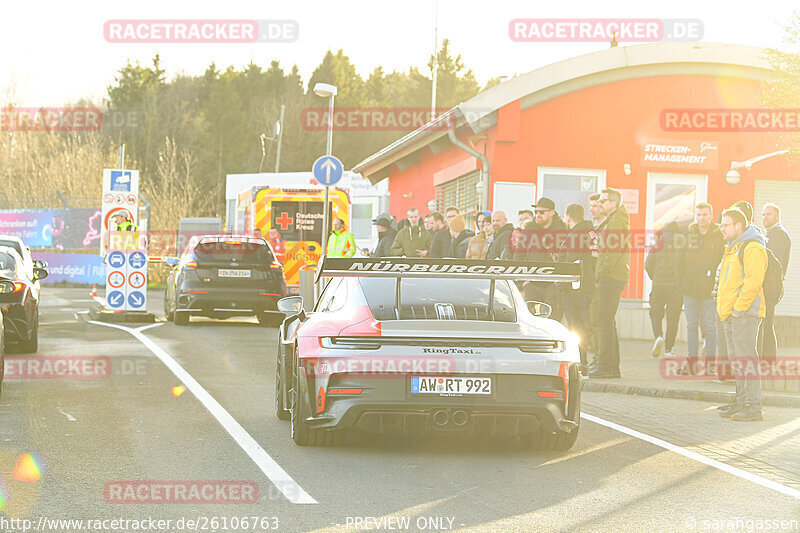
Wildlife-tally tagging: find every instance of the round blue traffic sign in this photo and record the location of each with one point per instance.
(137, 260)
(115, 299)
(328, 170)
(116, 259)
(136, 299)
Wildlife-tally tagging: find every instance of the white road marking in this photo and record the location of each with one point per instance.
(69, 416)
(738, 472)
(277, 475)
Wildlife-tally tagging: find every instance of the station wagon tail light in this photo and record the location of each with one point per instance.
(275, 266)
(233, 242)
(191, 264)
(18, 286)
(345, 391)
(548, 394)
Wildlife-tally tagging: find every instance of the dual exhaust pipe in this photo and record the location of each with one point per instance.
(442, 418)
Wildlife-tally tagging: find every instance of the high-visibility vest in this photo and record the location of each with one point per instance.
(341, 244)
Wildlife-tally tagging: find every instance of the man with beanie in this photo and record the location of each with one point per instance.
(386, 236)
(460, 237)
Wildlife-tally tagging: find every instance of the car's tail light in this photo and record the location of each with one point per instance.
(549, 394)
(275, 266)
(19, 286)
(268, 294)
(321, 400)
(345, 391)
(233, 242)
(191, 264)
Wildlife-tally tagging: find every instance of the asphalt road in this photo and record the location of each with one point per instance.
(90, 436)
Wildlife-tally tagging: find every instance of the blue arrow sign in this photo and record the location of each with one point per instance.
(115, 299)
(116, 259)
(328, 170)
(136, 299)
(137, 260)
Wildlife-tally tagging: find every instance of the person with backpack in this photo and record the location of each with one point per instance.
(741, 307)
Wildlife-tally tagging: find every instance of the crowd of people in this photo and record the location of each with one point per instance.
(726, 276)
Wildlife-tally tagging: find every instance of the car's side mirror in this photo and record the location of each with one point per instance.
(171, 261)
(6, 287)
(539, 308)
(39, 273)
(291, 305)
(40, 263)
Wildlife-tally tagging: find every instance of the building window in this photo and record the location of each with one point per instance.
(569, 185)
(460, 192)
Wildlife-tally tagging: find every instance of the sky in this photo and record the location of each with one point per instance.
(54, 53)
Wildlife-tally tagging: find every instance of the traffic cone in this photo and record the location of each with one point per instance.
(94, 291)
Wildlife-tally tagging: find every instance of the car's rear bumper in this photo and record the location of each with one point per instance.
(228, 302)
(515, 406)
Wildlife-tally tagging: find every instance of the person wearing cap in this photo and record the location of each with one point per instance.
(341, 243)
(386, 235)
(549, 229)
(460, 237)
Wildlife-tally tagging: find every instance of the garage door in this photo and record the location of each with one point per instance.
(785, 195)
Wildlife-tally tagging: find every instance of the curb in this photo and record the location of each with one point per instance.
(680, 394)
(97, 313)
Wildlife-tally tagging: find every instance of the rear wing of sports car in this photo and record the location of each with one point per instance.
(403, 267)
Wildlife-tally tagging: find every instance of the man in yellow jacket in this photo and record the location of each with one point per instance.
(741, 307)
(341, 243)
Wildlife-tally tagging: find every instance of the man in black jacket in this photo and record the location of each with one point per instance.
(440, 247)
(386, 237)
(697, 267)
(577, 246)
(502, 236)
(780, 244)
(661, 266)
(460, 237)
(550, 231)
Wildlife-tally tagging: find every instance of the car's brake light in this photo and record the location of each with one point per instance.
(345, 391)
(18, 286)
(275, 266)
(191, 264)
(543, 394)
(268, 294)
(233, 242)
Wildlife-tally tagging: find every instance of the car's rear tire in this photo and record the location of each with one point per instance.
(280, 409)
(31, 345)
(302, 433)
(181, 319)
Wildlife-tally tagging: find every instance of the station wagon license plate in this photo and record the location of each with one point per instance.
(451, 385)
(229, 273)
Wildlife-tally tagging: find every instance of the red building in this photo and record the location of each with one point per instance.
(626, 117)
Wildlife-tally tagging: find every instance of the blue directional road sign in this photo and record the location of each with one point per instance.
(115, 299)
(137, 260)
(116, 259)
(328, 170)
(136, 299)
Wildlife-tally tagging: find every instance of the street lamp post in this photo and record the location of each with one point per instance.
(329, 91)
(326, 90)
(732, 176)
